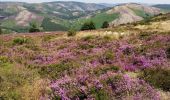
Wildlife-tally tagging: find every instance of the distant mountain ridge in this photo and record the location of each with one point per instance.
(53, 16)
(165, 7)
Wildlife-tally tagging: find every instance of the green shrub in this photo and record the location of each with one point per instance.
(34, 27)
(20, 41)
(71, 32)
(160, 78)
(3, 59)
(105, 24)
(88, 26)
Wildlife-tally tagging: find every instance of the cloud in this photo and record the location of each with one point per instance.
(98, 1)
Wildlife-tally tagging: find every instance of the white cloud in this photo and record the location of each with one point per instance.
(98, 1)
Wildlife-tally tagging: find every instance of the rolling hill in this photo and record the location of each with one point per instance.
(60, 16)
(55, 14)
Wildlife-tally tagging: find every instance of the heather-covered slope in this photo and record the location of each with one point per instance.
(116, 63)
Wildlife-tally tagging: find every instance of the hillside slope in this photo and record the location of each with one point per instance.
(109, 64)
(53, 16)
(120, 14)
(133, 12)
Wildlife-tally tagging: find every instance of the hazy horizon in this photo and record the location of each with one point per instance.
(96, 1)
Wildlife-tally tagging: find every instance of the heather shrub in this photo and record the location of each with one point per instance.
(168, 53)
(157, 77)
(53, 71)
(71, 32)
(20, 41)
(107, 58)
(125, 87)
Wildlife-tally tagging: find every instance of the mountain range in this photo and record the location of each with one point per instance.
(60, 16)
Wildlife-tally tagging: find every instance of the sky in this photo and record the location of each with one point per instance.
(100, 1)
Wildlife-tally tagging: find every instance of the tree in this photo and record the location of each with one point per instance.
(105, 24)
(34, 27)
(88, 26)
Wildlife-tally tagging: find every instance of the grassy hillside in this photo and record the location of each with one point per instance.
(98, 19)
(48, 25)
(142, 13)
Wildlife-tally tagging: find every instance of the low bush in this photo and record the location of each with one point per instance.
(34, 27)
(71, 32)
(88, 26)
(20, 41)
(160, 78)
(105, 24)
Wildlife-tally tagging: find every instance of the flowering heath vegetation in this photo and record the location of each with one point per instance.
(59, 67)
